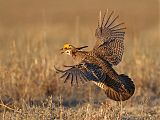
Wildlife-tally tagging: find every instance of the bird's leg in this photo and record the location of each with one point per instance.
(121, 109)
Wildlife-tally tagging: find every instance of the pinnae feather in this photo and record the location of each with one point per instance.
(58, 69)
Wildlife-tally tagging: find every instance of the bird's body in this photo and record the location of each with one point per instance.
(96, 65)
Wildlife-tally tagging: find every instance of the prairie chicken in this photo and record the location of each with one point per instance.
(96, 65)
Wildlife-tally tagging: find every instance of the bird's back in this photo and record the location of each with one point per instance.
(117, 87)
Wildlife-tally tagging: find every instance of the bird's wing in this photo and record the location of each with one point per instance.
(74, 73)
(91, 72)
(84, 72)
(110, 37)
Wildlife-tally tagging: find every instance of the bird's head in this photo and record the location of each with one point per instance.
(70, 49)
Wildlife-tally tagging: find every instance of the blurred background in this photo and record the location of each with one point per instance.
(33, 31)
(70, 18)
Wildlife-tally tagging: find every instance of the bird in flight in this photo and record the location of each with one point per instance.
(96, 65)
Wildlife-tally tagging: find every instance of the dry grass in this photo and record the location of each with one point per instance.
(31, 90)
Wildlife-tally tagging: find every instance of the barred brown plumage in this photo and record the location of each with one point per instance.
(111, 46)
(96, 65)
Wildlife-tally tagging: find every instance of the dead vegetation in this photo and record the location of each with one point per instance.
(30, 88)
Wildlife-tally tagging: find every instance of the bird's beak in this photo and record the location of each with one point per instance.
(61, 50)
(79, 48)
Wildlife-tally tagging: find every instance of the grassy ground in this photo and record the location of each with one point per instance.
(29, 48)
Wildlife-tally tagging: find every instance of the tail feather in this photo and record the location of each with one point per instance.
(124, 92)
(128, 83)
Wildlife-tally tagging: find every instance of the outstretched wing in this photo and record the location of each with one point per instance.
(84, 72)
(110, 36)
(91, 72)
(73, 73)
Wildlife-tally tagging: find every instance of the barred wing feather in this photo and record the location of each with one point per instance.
(83, 72)
(91, 72)
(73, 73)
(110, 38)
